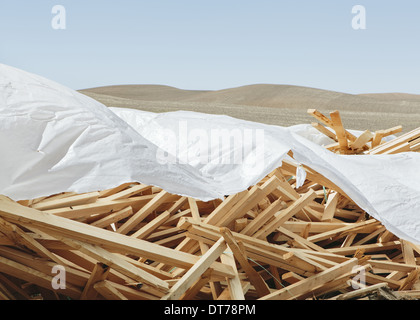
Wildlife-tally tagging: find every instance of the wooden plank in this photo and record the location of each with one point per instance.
(67, 202)
(195, 272)
(112, 241)
(99, 273)
(339, 130)
(234, 284)
(324, 131)
(240, 256)
(31, 275)
(284, 215)
(136, 189)
(98, 207)
(294, 291)
(330, 207)
(17, 235)
(355, 227)
(108, 291)
(140, 215)
(114, 261)
(148, 229)
(263, 217)
(113, 217)
(368, 248)
(196, 287)
(362, 140)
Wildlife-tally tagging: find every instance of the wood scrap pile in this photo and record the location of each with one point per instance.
(367, 142)
(272, 241)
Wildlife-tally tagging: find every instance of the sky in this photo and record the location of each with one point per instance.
(213, 45)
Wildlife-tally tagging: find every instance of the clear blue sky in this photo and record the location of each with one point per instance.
(214, 44)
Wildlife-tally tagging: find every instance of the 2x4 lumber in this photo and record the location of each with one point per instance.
(254, 277)
(325, 120)
(368, 248)
(148, 229)
(114, 261)
(112, 241)
(386, 146)
(196, 287)
(355, 227)
(408, 252)
(294, 291)
(108, 192)
(391, 266)
(31, 275)
(262, 251)
(108, 291)
(263, 217)
(99, 273)
(304, 242)
(224, 207)
(362, 140)
(113, 217)
(140, 215)
(249, 201)
(136, 189)
(196, 271)
(361, 293)
(284, 215)
(339, 130)
(234, 284)
(324, 131)
(98, 207)
(316, 227)
(20, 237)
(67, 202)
(410, 280)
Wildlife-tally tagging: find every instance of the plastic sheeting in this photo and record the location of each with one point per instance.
(54, 139)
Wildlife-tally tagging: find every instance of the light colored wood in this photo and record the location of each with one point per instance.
(140, 215)
(108, 291)
(67, 201)
(339, 130)
(99, 273)
(145, 231)
(284, 215)
(263, 217)
(330, 207)
(362, 140)
(234, 284)
(195, 272)
(60, 227)
(113, 217)
(297, 289)
(241, 257)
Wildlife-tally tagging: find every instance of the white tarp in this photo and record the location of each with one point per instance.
(54, 139)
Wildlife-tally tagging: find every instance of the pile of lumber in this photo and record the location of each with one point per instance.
(272, 241)
(367, 142)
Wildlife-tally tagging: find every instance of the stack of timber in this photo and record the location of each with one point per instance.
(272, 241)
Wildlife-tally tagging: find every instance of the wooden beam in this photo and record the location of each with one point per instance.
(140, 215)
(112, 241)
(294, 291)
(108, 291)
(195, 272)
(240, 256)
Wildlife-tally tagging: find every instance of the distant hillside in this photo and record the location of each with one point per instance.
(273, 104)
